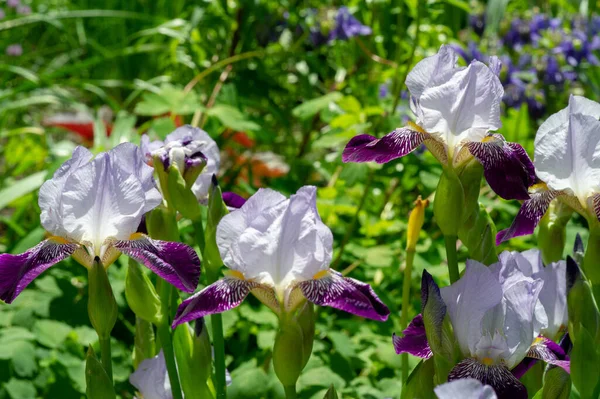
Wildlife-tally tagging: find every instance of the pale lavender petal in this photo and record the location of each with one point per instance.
(218, 297)
(17, 271)
(529, 216)
(346, 294)
(232, 200)
(507, 168)
(366, 148)
(504, 383)
(414, 340)
(175, 262)
(151, 378)
(465, 388)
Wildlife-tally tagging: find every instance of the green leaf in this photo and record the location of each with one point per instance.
(557, 384)
(98, 384)
(331, 393)
(342, 344)
(21, 187)
(320, 377)
(585, 363)
(312, 107)
(248, 383)
(170, 99)
(420, 382)
(23, 359)
(232, 118)
(20, 389)
(51, 333)
(34, 237)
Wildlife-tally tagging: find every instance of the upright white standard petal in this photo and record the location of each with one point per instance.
(90, 201)
(567, 149)
(455, 104)
(151, 378)
(276, 241)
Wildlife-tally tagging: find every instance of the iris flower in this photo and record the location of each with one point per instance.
(567, 161)
(456, 107)
(465, 388)
(92, 208)
(186, 147)
(347, 26)
(497, 314)
(279, 250)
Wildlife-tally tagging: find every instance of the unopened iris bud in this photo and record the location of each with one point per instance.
(449, 202)
(194, 358)
(216, 210)
(288, 353)
(181, 197)
(161, 223)
(415, 223)
(102, 307)
(141, 294)
(552, 234)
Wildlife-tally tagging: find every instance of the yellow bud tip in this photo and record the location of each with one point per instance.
(488, 361)
(320, 274)
(415, 222)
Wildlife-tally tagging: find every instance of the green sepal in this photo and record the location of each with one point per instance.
(557, 385)
(331, 393)
(585, 364)
(193, 354)
(552, 234)
(420, 382)
(98, 385)
(102, 307)
(161, 223)
(144, 343)
(448, 205)
(182, 198)
(216, 210)
(288, 353)
(582, 307)
(141, 294)
(306, 320)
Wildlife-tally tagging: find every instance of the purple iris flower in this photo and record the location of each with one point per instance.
(14, 50)
(518, 34)
(477, 23)
(465, 388)
(472, 53)
(347, 26)
(384, 90)
(579, 47)
(279, 250)
(92, 208)
(497, 314)
(456, 108)
(566, 161)
(2, 14)
(13, 3)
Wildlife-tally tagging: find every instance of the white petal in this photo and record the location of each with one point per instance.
(553, 297)
(100, 200)
(151, 378)
(50, 192)
(567, 149)
(423, 72)
(465, 388)
(468, 300)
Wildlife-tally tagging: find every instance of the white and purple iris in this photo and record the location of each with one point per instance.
(456, 108)
(567, 161)
(465, 388)
(186, 148)
(279, 250)
(504, 318)
(92, 208)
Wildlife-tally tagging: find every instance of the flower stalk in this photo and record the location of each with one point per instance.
(452, 257)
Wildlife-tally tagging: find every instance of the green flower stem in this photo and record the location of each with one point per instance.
(452, 258)
(591, 260)
(166, 340)
(219, 347)
(290, 392)
(106, 357)
(199, 233)
(410, 256)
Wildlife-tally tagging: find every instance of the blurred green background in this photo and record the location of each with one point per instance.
(282, 100)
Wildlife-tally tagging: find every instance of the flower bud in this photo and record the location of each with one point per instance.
(193, 353)
(553, 232)
(141, 294)
(102, 307)
(306, 320)
(288, 353)
(161, 223)
(182, 198)
(98, 384)
(448, 205)
(143, 341)
(216, 211)
(415, 223)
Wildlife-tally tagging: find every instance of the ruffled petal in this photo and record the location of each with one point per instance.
(504, 383)
(17, 271)
(346, 294)
(218, 297)
(507, 168)
(175, 262)
(151, 378)
(529, 215)
(414, 340)
(366, 148)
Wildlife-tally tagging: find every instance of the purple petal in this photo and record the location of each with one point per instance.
(529, 216)
(505, 384)
(366, 148)
(232, 200)
(507, 167)
(17, 271)
(175, 262)
(218, 297)
(346, 294)
(414, 340)
(550, 352)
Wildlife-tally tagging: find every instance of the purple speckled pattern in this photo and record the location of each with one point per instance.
(346, 294)
(218, 297)
(547, 351)
(528, 217)
(504, 383)
(232, 200)
(366, 148)
(17, 271)
(507, 167)
(414, 339)
(175, 262)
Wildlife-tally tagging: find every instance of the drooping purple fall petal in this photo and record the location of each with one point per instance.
(414, 340)
(233, 200)
(366, 148)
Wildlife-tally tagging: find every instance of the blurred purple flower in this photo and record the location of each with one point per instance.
(518, 34)
(553, 74)
(471, 53)
(2, 13)
(384, 90)
(346, 26)
(536, 106)
(13, 3)
(579, 48)
(477, 23)
(23, 10)
(14, 50)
